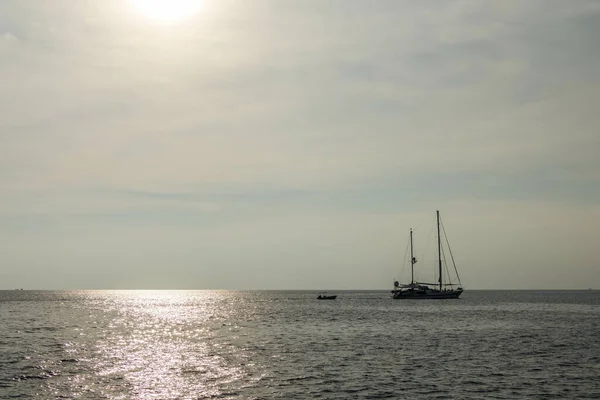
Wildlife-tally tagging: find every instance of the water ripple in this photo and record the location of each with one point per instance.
(256, 345)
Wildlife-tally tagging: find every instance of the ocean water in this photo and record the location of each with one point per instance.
(288, 345)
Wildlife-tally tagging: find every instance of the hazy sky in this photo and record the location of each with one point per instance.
(292, 144)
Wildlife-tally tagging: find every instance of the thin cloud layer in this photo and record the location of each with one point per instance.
(292, 144)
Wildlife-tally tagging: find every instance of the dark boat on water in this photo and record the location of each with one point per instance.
(420, 290)
(324, 296)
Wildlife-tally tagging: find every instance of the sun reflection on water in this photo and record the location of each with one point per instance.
(166, 344)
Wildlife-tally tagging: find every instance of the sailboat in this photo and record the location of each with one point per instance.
(325, 296)
(421, 290)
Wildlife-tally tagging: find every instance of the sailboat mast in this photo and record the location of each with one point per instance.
(412, 260)
(439, 249)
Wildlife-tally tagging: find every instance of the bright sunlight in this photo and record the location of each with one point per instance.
(168, 10)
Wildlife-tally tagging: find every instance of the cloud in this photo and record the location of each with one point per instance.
(258, 118)
(7, 39)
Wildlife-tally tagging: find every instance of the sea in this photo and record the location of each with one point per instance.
(289, 345)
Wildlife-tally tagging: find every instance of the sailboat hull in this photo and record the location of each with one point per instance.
(426, 294)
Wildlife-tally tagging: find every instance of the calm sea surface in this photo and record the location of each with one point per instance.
(288, 345)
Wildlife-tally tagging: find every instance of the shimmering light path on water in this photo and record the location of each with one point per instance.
(221, 344)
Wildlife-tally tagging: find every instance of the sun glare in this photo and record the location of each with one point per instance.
(168, 10)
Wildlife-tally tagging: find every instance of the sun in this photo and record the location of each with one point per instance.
(168, 10)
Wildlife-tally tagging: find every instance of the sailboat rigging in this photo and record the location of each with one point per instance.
(421, 290)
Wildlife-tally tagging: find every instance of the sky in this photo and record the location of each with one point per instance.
(292, 144)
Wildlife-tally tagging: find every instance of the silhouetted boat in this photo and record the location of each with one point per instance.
(324, 296)
(421, 290)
